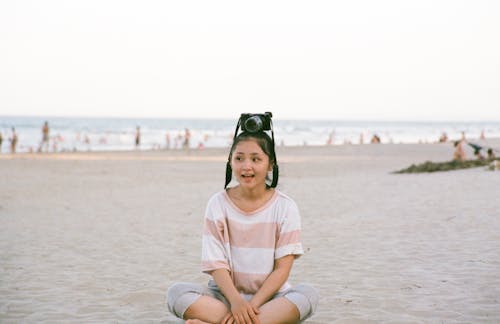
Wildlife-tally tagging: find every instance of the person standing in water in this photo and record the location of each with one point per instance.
(45, 138)
(13, 141)
(137, 137)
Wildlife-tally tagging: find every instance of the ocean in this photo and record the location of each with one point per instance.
(118, 134)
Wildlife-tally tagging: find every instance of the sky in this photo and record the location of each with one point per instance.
(430, 60)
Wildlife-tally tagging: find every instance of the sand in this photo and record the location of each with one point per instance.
(98, 237)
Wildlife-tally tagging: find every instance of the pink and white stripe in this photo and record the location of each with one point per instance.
(247, 244)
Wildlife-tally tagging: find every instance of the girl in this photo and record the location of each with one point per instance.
(251, 238)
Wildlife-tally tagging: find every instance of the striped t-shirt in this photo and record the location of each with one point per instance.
(247, 244)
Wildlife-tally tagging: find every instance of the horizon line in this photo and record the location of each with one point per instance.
(328, 119)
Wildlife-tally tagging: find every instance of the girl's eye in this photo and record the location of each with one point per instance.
(237, 158)
(255, 159)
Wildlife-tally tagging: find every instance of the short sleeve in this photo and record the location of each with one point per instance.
(214, 255)
(289, 233)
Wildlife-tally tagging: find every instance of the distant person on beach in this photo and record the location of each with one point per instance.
(13, 141)
(331, 138)
(167, 141)
(443, 138)
(375, 139)
(251, 238)
(137, 137)
(478, 155)
(1, 141)
(491, 154)
(56, 141)
(187, 139)
(459, 153)
(482, 137)
(477, 151)
(45, 138)
(86, 141)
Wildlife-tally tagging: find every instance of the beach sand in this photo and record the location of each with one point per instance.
(98, 237)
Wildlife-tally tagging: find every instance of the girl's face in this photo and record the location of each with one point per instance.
(250, 164)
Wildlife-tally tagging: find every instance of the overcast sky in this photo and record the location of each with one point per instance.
(382, 60)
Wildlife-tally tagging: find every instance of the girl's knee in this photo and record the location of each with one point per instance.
(181, 295)
(310, 292)
(306, 298)
(174, 291)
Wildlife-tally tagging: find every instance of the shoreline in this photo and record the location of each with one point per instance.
(220, 154)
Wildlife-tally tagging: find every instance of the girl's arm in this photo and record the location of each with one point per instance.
(274, 281)
(241, 310)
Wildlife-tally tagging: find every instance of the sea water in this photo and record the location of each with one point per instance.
(118, 134)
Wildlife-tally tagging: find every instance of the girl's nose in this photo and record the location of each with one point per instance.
(246, 164)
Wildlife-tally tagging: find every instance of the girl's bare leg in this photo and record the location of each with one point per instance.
(279, 310)
(206, 310)
(196, 321)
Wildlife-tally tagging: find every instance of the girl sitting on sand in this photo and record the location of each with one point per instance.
(251, 238)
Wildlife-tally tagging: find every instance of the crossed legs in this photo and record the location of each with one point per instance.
(201, 304)
(210, 310)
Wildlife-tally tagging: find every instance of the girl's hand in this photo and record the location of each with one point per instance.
(242, 312)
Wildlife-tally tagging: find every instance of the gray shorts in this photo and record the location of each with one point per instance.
(182, 295)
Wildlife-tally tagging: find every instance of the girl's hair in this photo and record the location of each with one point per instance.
(265, 143)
